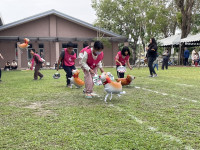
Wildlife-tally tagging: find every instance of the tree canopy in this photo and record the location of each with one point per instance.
(147, 18)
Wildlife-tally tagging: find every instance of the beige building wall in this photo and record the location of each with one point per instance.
(50, 26)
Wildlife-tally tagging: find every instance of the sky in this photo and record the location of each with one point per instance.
(14, 10)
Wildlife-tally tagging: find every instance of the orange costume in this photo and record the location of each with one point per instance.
(126, 81)
(25, 44)
(76, 80)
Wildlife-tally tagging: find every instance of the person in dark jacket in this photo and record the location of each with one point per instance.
(186, 56)
(151, 56)
(166, 56)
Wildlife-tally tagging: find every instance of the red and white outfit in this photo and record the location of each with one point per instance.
(122, 59)
(68, 64)
(69, 60)
(90, 61)
(37, 59)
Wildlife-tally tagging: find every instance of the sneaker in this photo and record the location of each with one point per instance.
(69, 86)
(41, 77)
(150, 76)
(84, 91)
(94, 94)
(87, 95)
(155, 75)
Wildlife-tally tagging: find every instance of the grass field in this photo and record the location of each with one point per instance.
(155, 113)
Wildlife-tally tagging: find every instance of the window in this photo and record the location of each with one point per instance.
(29, 56)
(41, 50)
(76, 49)
(64, 45)
(16, 52)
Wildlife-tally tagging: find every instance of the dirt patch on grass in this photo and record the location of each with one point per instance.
(35, 105)
(40, 107)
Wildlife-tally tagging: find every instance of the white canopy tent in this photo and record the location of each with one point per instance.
(193, 38)
(170, 41)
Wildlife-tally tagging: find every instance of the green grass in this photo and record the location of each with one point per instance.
(45, 114)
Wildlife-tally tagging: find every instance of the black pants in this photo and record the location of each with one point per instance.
(37, 72)
(165, 63)
(119, 74)
(68, 70)
(186, 62)
(13, 68)
(6, 67)
(150, 65)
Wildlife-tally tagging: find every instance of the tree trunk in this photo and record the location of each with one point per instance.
(134, 47)
(186, 12)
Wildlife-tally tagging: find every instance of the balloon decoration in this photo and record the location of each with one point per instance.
(126, 81)
(109, 86)
(121, 69)
(25, 44)
(96, 80)
(110, 76)
(56, 75)
(76, 80)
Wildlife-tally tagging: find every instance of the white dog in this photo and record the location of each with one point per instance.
(110, 86)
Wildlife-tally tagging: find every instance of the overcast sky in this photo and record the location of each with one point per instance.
(13, 10)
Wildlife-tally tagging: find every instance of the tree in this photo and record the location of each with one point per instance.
(196, 18)
(185, 7)
(134, 18)
(120, 16)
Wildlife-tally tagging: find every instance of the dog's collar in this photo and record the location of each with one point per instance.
(108, 80)
(75, 76)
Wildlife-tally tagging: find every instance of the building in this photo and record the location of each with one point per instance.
(48, 33)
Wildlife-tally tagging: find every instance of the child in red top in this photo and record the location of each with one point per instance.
(121, 59)
(68, 57)
(37, 59)
(90, 62)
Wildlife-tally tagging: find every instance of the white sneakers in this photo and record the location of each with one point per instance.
(153, 76)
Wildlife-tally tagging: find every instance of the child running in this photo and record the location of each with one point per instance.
(68, 57)
(37, 59)
(90, 62)
(121, 59)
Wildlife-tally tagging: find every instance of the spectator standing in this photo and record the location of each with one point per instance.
(151, 56)
(155, 63)
(186, 56)
(166, 56)
(196, 59)
(193, 53)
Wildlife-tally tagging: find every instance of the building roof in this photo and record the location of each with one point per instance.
(60, 39)
(193, 38)
(62, 15)
(172, 40)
